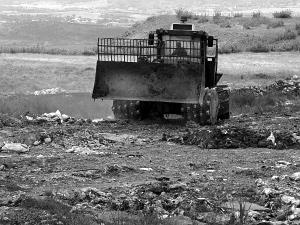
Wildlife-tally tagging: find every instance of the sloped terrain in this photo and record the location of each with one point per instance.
(234, 34)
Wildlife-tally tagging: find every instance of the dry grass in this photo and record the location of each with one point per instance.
(40, 49)
(35, 211)
(275, 24)
(287, 35)
(235, 34)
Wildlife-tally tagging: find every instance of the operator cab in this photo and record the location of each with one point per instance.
(182, 43)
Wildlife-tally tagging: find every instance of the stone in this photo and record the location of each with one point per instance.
(15, 147)
(295, 213)
(295, 176)
(290, 200)
(36, 143)
(47, 140)
(275, 178)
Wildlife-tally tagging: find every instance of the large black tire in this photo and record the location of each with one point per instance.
(127, 109)
(215, 107)
(223, 93)
(207, 113)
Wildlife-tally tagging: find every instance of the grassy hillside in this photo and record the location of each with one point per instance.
(52, 33)
(236, 34)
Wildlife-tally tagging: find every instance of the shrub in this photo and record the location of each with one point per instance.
(259, 47)
(283, 14)
(217, 16)
(229, 48)
(184, 13)
(203, 19)
(256, 14)
(275, 24)
(297, 27)
(225, 24)
(287, 35)
(89, 52)
(238, 15)
(290, 45)
(255, 22)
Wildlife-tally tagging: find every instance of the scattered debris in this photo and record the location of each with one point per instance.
(235, 205)
(146, 169)
(51, 91)
(231, 136)
(83, 151)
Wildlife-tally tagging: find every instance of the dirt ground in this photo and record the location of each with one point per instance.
(125, 166)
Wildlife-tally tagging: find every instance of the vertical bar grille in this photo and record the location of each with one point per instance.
(138, 50)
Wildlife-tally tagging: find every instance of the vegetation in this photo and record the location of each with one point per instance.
(259, 47)
(242, 33)
(275, 24)
(218, 18)
(236, 15)
(39, 49)
(255, 22)
(36, 211)
(185, 13)
(297, 27)
(287, 35)
(256, 14)
(203, 18)
(283, 14)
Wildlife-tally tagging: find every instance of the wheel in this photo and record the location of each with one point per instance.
(223, 93)
(126, 109)
(207, 113)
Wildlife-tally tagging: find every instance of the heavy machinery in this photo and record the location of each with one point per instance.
(172, 72)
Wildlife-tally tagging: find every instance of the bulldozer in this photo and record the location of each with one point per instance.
(172, 71)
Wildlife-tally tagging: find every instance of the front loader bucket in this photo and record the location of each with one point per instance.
(142, 81)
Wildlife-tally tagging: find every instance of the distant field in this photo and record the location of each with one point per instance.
(26, 73)
(53, 34)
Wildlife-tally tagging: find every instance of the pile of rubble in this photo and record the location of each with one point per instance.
(170, 199)
(289, 86)
(241, 135)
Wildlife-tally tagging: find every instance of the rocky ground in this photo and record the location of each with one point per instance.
(59, 170)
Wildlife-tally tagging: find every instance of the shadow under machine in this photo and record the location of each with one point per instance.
(172, 72)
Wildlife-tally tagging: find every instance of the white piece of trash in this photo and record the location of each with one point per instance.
(272, 138)
(146, 169)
